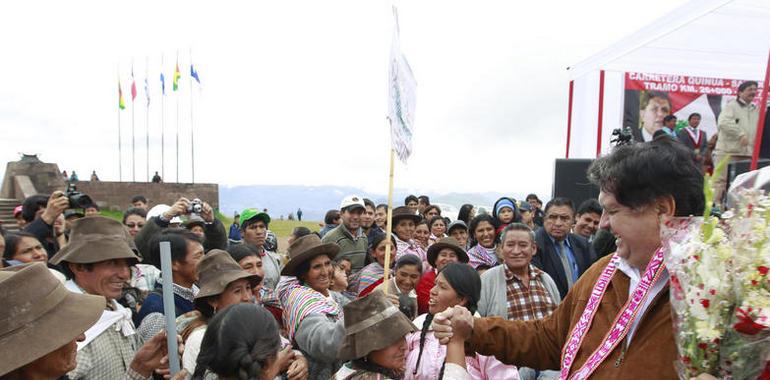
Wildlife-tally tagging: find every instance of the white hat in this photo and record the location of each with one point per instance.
(351, 201)
(158, 210)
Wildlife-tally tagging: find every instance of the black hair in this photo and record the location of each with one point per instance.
(408, 259)
(368, 203)
(424, 198)
(92, 205)
(382, 205)
(559, 201)
(2, 230)
(589, 206)
(668, 118)
(432, 207)
(366, 365)
(475, 223)
(12, 241)
(379, 238)
(743, 86)
(134, 211)
(31, 205)
(466, 282)
(240, 251)
(638, 174)
(532, 196)
(178, 239)
(331, 216)
(410, 198)
(300, 231)
(139, 198)
(238, 343)
(465, 213)
(692, 115)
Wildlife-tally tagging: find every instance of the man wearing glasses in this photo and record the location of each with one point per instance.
(561, 254)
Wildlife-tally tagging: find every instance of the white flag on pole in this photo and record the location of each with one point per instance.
(402, 99)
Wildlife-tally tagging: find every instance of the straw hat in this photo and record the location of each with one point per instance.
(217, 270)
(404, 212)
(372, 323)
(447, 242)
(95, 239)
(39, 315)
(306, 248)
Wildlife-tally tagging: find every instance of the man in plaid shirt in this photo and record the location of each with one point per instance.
(518, 290)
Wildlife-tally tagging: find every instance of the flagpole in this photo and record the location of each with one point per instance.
(388, 227)
(192, 134)
(162, 123)
(120, 144)
(133, 134)
(147, 94)
(177, 121)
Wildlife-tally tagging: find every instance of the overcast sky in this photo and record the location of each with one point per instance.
(294, 92)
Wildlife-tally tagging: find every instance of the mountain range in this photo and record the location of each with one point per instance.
(315, 201)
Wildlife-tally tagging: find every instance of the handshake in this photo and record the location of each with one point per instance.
(454, 324)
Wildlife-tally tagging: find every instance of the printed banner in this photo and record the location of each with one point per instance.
(651, 97)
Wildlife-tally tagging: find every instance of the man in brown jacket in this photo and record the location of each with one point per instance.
(640, 190)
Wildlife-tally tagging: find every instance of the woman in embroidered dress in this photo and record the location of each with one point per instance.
(404, 222)
(312, 313)
(437, 226)
(483, 237)
(374, 344)
(456, 284)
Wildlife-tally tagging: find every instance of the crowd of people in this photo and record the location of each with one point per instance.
(505, 294)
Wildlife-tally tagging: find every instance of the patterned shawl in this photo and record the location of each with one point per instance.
(299, 301)
(369, 275)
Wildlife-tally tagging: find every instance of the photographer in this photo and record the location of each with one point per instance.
(214, 231)
(41, 212)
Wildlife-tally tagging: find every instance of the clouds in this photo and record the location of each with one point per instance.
(295, 92)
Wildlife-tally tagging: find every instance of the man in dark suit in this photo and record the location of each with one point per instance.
(694, 138)
(561, 254)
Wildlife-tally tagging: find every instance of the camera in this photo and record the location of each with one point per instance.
(76, 198)
(195, 207)
(621, 136)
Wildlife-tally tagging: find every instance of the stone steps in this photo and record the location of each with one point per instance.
(6, 214)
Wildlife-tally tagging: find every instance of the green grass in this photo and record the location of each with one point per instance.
(281, 228)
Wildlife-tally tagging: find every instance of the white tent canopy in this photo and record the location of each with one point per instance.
(707, 38)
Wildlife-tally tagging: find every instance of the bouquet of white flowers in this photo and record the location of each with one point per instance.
(745, 351)
(699, 263)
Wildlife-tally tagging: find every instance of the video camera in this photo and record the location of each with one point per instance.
(76, 198)
(621, 136)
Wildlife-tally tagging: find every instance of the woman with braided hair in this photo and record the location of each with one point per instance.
(241, 342)
(456, 284)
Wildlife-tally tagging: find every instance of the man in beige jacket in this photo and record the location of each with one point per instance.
(737, 126)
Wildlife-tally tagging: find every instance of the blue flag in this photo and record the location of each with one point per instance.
(194, 74)
(163, 83)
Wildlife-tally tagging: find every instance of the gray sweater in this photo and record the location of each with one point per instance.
(319, 337)
(493, 301)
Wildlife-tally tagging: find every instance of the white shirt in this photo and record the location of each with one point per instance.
(636, 277)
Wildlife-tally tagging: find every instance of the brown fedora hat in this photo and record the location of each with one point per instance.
(446, 242)
(217, 270)
(372, 323)
(306, 248)
(94, 239)
(39, 315)
(404, 212)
